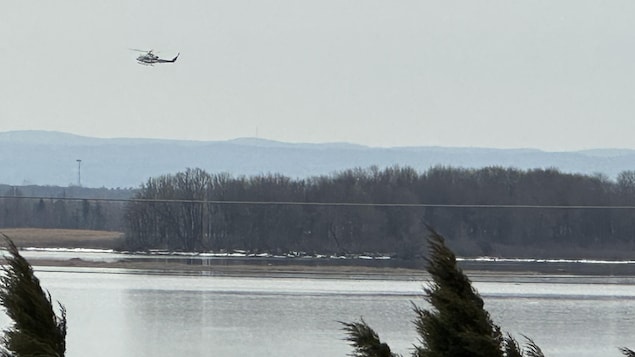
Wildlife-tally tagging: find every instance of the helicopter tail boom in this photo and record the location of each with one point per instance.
(169, 61)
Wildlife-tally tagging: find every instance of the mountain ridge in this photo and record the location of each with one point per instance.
(50, 158)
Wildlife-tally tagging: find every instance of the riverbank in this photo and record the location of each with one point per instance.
(77, 245)
(238, 269)
(83, 240)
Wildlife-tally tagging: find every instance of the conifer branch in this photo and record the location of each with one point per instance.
(36, 329)
(365, 340)
(627, 352)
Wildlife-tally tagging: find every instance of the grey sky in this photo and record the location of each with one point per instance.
(554, 75)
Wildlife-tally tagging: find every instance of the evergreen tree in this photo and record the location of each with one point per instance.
(458, 325)
(37, 330)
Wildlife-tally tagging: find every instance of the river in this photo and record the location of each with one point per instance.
(116, 312)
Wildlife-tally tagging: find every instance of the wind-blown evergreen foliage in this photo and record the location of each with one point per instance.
(512, 349)
(627, 352)
(457, 326)
(365, 341)
(36, 331)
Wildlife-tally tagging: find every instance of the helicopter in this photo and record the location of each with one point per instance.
(148, 58)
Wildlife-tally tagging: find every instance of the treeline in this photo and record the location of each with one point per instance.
(63, 207)
(489, 211)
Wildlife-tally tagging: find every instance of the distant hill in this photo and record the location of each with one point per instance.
(49, 158)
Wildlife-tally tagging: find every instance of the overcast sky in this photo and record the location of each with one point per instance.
(553, 75)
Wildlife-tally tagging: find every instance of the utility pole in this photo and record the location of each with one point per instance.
(79, 172)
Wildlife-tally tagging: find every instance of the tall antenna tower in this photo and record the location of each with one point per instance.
(79, 172)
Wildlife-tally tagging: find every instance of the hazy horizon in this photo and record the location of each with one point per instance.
(51, 158)
(255, 139)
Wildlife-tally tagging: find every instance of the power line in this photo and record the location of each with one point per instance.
(333, 204)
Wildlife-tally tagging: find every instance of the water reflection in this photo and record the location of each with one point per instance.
(252, 316)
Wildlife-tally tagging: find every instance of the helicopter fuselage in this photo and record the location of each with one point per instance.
(150, 58)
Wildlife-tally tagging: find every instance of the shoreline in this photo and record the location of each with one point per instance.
(239, 269)
(326, 268)
(69, 240)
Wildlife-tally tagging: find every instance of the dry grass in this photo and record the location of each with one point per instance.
(63, 238)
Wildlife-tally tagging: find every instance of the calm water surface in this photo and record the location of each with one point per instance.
(115, 313)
